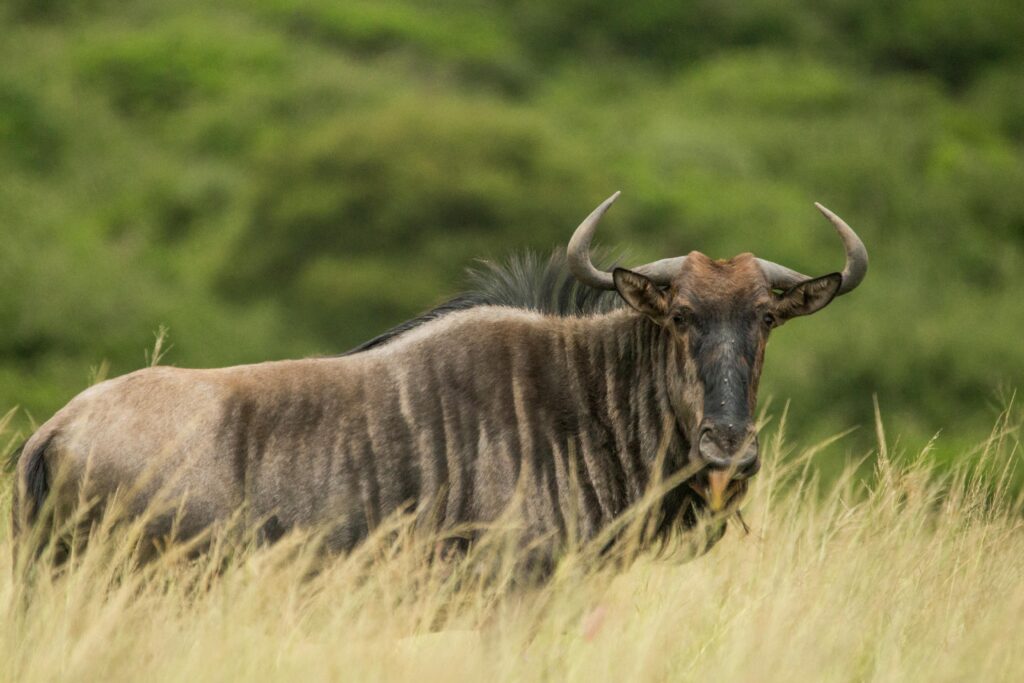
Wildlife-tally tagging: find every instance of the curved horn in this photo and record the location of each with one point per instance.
(854, 271)
(582, 268)
(578, 251)
(856, 253)
(661, 272)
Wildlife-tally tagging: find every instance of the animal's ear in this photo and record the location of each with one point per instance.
(810, 296)
(642, 294)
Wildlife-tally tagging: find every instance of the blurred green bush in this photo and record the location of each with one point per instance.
(289, 177)
(28, 139)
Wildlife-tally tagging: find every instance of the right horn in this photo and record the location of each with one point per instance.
(583, 269)
(781, 277)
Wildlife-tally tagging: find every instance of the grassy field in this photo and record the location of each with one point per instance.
(909, 574)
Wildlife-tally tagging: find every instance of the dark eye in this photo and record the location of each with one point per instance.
(682, 316)
(769, 320)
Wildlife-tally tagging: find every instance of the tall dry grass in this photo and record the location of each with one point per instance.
(907, 574)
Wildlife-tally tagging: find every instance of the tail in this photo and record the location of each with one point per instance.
(32, 486)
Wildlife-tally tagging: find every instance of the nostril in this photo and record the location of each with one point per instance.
(711, 451)
(748, 468)
(750, 453)
(748, 464)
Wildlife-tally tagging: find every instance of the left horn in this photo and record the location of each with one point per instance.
(853, 273)
(583, 269)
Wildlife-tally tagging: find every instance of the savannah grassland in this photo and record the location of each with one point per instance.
(901, 575)
(283, 178)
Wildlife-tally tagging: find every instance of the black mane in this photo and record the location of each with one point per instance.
(524, 281)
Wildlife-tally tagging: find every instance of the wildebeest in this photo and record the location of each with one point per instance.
(450, 414)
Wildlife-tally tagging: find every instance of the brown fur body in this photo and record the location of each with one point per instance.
(450, 419)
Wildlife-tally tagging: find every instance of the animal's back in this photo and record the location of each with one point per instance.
(428, 422)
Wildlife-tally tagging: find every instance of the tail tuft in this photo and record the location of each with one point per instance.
(35, 485)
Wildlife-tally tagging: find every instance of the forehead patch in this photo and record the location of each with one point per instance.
(706, 281)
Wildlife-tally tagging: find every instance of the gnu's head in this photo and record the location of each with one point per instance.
(719, 314)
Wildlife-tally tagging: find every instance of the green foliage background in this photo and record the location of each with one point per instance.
(277, 178)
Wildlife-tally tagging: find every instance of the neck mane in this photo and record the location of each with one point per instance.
(525, 281)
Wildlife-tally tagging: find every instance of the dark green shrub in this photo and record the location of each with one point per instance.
(157, 72)
(28, 137)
